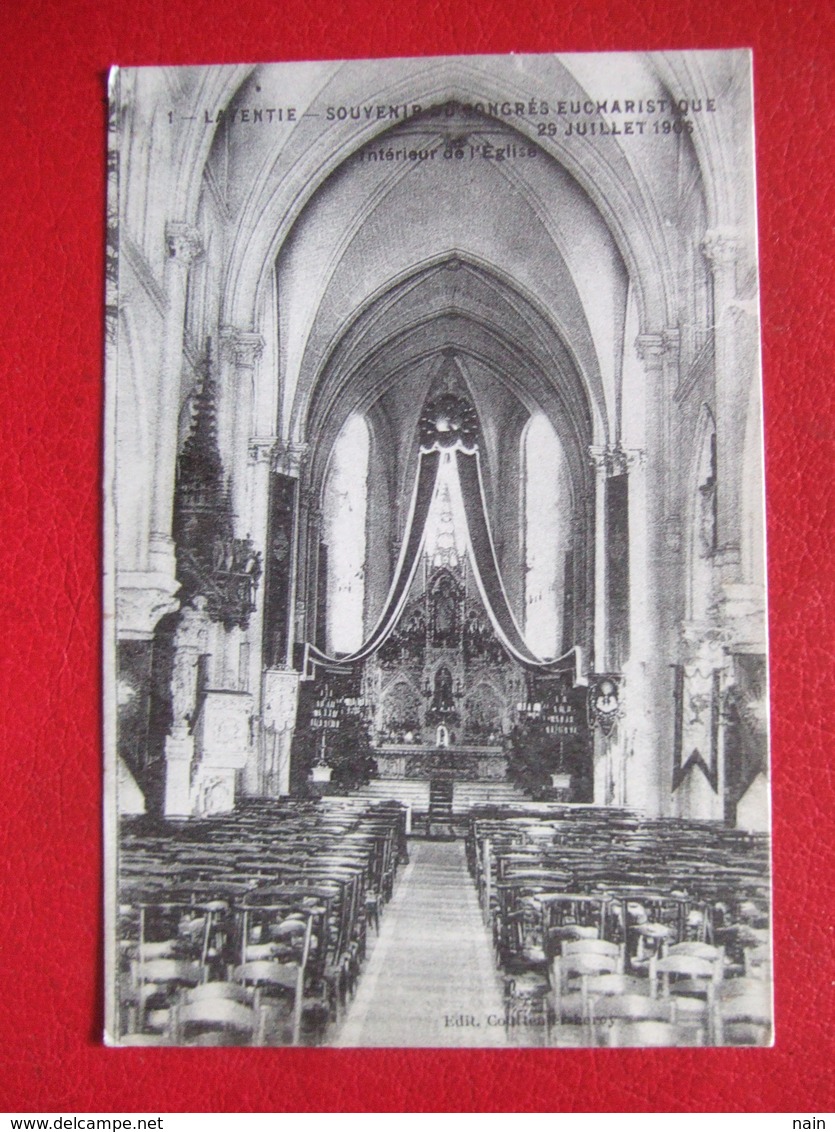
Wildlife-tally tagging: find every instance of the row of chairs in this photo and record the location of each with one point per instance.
(675, 907)
(274, 900)
(260, 1004)
(595, 1002)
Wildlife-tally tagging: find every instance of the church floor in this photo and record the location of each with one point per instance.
(430, 979)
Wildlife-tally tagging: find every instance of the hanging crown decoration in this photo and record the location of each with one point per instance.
(448, 422)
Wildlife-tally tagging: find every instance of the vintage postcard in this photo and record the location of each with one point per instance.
(435, 657)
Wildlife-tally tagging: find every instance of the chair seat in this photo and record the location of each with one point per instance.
(527, 984)
(690, 990)
(534, 954)
(654, 931)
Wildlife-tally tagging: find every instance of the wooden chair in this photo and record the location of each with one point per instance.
(580, 959)
(273, 983)
(691, 982)
(575, 1006)
(744, 1012)
(608, 1013)
(159, 981)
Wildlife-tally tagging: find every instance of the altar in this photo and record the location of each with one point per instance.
(462, 764)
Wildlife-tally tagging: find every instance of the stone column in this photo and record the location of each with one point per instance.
(242, 349)
(598, 456)
(279, 684)
(315, 521)
(613, 752)
(307, 564)
(653, 651)
(261, 452)
(184, 246)
(289, 460)
(721, 247)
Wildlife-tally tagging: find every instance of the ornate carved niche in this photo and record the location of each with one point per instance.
(407, 644)
(480, 644)
(445, 610)
(443, 698)
(402, 709)
(483, 714)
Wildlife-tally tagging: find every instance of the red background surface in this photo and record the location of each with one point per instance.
(55, 55)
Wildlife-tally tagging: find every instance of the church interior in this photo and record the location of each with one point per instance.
(436, 518)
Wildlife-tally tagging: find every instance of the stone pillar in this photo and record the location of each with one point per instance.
(242, 349)
(721, 247)
(315, 520)
(307, 565)
(184, 246)
(190, 643)
(289, 460)
(598, 456)
(649, 720)
(618, 775)
(261, 450)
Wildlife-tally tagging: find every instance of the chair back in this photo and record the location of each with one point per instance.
(689, 969)
(572, 947)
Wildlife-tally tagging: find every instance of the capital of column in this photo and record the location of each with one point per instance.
(614, 459)
(289, 457)
(706, 642)
(262, 449)
(142, 599)
(183, 242)
(720, 247)
(597, 458)
(245, 347)
(653, 349)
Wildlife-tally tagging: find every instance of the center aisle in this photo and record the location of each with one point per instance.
(430, 978)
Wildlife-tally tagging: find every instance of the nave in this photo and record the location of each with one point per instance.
(431, 979)
(319, 923)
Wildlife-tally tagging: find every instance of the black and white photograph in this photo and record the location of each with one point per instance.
(435, 659)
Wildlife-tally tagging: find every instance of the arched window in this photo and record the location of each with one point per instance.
(344, 515)
(546, 522)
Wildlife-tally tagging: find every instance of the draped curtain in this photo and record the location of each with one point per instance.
(484, 563)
